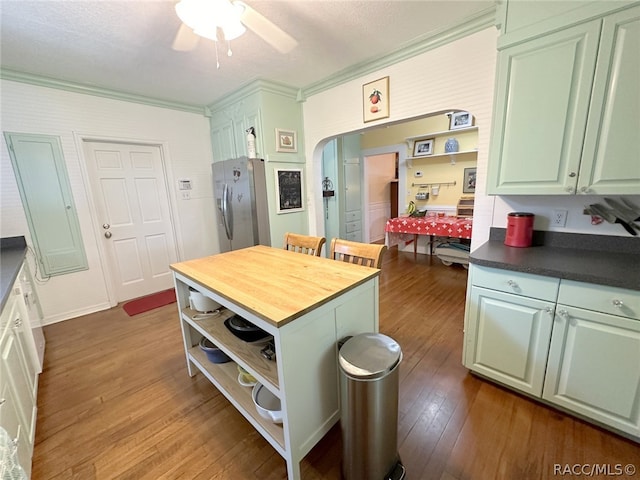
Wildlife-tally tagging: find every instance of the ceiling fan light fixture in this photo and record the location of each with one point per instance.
(205, 16)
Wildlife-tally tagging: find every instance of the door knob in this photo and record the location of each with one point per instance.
(106, 226)
(107, 234)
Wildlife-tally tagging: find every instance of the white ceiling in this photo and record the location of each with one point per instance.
(126, 45)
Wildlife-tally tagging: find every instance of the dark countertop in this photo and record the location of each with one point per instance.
(12, 253)
(599, 259)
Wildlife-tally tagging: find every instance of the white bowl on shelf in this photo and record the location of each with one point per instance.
(267, 404)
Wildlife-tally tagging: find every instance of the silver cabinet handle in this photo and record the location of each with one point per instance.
(512, 284)
(572, 174)
(17, 323)
(2, 400)
(548, 310)
(617, 303)
(106, 226)
(563, 313)
(107, 234)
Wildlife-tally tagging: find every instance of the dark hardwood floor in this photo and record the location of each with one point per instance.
(115, 402)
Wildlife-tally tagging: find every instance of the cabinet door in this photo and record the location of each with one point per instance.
(222, 141)
(508, 338)
(594, 367)
(11, 421)
(541, 112)
(611, 159)
(20, 374)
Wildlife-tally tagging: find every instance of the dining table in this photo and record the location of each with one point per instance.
(407, 229)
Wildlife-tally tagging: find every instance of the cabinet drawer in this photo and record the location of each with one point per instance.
(534, 286)
(353, 226)
(354, 236)
(600, 298)
(352, 216)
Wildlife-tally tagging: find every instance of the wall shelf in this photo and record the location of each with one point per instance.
(436, 155)
(442, 133)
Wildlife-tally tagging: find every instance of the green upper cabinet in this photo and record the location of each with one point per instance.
(611, 158)
(567, 103)
(265, 106)
(229, 130)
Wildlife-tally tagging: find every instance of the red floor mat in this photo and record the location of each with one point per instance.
(144, 304)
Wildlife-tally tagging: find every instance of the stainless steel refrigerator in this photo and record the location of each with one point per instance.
(240, 191)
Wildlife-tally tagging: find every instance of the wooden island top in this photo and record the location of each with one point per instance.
(275, 284)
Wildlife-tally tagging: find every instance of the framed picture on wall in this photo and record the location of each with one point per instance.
(286, 141)
(461, 120)
(289, 191)
(469, 180)
(375, 100)
(423, 147)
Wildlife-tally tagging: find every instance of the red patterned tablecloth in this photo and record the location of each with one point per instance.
(406, 228)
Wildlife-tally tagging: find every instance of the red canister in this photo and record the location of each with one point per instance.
(519, 229)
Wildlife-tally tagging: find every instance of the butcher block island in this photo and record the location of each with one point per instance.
(307, 304)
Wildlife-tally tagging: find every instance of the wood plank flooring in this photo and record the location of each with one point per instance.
(115, 402)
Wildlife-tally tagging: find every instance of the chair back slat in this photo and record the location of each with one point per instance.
(305, 244)
(365, 254)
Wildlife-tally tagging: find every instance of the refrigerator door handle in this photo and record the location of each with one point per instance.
(227, 213)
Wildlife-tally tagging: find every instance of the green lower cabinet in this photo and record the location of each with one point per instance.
(508, 338)
(576, 345)
(594, 367)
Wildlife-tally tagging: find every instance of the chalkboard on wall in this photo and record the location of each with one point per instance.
(289, 190)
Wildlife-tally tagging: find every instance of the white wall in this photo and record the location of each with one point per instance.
(185, 137)
(458, 76)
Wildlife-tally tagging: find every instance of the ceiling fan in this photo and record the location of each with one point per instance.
(224, 20)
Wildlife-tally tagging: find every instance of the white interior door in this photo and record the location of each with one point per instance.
(132, 205)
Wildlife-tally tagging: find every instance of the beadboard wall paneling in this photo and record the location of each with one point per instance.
(72, 116)
(459, 75)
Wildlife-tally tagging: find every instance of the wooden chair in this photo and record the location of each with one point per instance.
(303, 243)
(367, 254)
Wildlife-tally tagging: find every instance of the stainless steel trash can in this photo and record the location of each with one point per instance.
(369, 381)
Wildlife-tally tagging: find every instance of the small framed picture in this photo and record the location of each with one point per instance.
(286, 141)
(423, 147)
(469, 181)
(461, 120)
(375, 100)
(289, 190)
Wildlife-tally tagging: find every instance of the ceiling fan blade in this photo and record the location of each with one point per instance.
(267, 30)
(185, 39)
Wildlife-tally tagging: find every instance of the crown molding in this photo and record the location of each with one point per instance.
(473, 24)
(256, 86)
(42, 81)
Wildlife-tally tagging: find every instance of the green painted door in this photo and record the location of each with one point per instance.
(44, 187)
